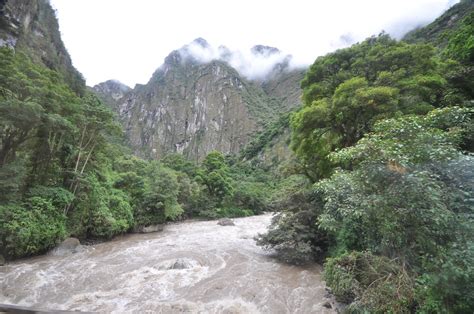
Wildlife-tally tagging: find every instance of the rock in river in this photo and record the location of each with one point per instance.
(68, 246)
(225, 222)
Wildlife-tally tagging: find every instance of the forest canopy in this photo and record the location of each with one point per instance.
(385, 136)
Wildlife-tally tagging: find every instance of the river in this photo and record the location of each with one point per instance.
(190, 267)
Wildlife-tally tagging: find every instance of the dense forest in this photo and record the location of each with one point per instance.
(380, 188)
(385, 141)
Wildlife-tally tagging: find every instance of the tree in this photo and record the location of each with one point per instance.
(214, 174)
(408, 203)
(345, 92)
(461, 43)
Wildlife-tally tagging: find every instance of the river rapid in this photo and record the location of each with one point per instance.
(190, 267)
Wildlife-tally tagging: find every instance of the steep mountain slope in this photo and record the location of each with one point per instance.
(193, 107)
(32, 27)
(437, 32)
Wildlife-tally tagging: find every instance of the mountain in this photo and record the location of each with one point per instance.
(194, 104)
(111, 91)
(32, 27)
(437, 32)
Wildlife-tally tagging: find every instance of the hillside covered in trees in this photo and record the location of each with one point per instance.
(378, 187)
(385, 141)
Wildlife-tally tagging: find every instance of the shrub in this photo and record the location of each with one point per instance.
(101, 211)
(250, 195)
(370, 283)
(30, 228)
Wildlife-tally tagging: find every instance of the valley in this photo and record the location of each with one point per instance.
(276, 186)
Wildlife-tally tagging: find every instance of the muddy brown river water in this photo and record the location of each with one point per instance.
(190, 267)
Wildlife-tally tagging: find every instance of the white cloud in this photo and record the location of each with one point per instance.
(251, 64)
(128, 40)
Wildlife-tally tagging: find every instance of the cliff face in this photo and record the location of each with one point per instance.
(32, 27)
(194, 107)
(190, 109)
(111, 91)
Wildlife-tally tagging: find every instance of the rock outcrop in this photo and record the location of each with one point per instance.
(111, 91)
(193, 106)
(32, 27)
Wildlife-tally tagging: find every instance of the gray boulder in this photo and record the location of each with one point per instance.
(180, 264)
(68, 246)
(225, 222)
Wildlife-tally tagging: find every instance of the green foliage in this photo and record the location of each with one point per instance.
(249, 195)
(409, 198)
(12, 180)
(214, 174)
(58, 196)
(347, 91)
(179, 163)
(397, 220)
(100, 211)
(448, 284)
(263, 138)
(382, 137)
(162, 192)
(30, 228)
(399, 189)
(370, 283)
(293, 233)
(461, 43)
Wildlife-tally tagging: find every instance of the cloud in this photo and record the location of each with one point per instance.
(255, 63)
(131, 41)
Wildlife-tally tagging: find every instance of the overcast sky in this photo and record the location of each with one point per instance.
(127, 40)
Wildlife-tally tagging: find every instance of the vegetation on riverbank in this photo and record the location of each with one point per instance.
(381, 191)
(64, 170)
(385, 137)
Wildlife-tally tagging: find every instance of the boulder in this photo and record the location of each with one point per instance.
(148, 229)
(180, 264)
(226, 222)
(68, 246)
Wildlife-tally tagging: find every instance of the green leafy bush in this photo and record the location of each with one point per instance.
(100, 211)
(293, 233)
(30, 228)
(347, 91)
(370, 283)
(251, 195)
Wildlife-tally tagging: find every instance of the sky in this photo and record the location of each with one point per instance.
(128, 40)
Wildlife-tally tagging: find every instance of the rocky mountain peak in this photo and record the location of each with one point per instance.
(205, 98)
(111, 91)
(173, 58)
(112, 87)
(201, 42)
(264, 50)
